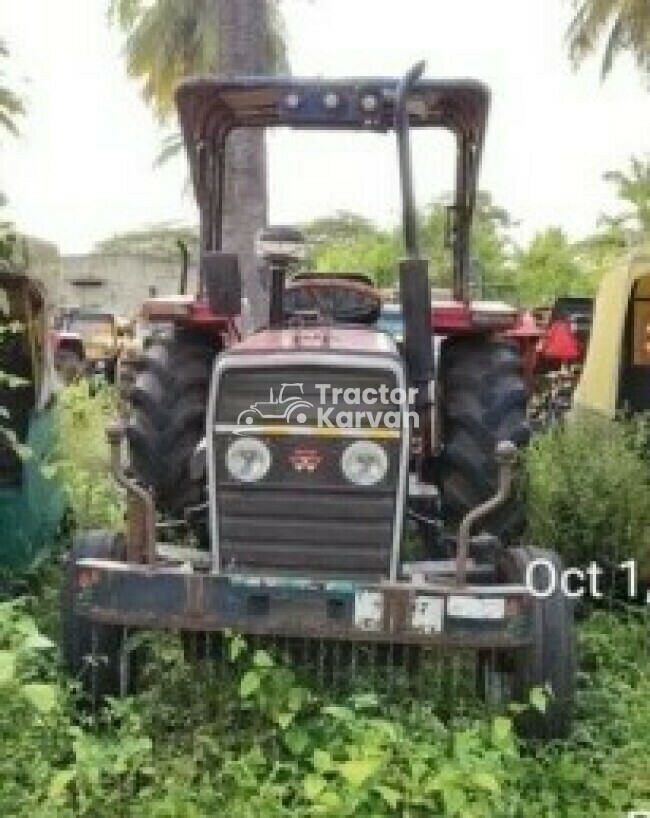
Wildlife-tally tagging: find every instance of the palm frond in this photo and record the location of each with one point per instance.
(622, 25)
(11, 105)
(171, 146)
(169, 40)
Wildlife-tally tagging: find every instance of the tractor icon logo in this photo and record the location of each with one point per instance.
(290, 405)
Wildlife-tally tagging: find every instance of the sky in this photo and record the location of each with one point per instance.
(84, 167)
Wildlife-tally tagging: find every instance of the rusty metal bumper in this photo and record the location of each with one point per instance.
(418, 613)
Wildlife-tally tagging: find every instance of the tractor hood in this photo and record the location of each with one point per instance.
(318, 339)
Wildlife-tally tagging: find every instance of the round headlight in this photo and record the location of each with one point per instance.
(248, 460)
(364, 463)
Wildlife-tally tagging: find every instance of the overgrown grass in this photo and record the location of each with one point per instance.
(256, 741)
(83, 457)
(247, 737)
(588, 488)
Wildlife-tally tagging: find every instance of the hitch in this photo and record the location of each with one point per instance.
(141, 514)
(505, 455)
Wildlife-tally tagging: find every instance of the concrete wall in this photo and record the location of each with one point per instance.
(116, 282)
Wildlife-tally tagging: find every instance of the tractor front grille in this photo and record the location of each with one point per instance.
(304, 517)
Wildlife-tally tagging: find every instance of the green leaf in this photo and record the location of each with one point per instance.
(313, 786)
(365, 701)
(7, 666)
(37, 641)
(501, 730)
(538, 699)
(339, 713)
(284, 720)
(322, 761)
(297, 698)
(250, 684)
(262, 659)
(43, 697)
(486, 781)
(236, 648)
(389, 795)
(296, 740)
(358, 771)
(59, 783)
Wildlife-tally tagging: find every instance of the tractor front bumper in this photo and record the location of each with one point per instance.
(416, 612)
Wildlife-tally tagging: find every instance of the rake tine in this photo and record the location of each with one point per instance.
(124, 663)
(94, 645)
(321, 663)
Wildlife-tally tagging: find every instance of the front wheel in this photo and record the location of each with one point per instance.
(550, 661)
(94, 653)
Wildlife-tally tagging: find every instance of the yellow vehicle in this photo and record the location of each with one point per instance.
(616, 374)
(86, 341)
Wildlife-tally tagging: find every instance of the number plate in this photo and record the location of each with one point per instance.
(476, 607)
(427, 614)
(368, 610)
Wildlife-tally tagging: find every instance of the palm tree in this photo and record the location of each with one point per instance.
(623, 25)
(169, 40)
(11, 106)
(633, 188)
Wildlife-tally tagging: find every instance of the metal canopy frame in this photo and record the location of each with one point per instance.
(210, 109)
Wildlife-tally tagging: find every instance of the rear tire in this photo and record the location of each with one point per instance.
(484, 400)
(99, 676)
(168, 403)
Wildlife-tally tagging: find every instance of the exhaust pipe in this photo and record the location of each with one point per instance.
(415, 289)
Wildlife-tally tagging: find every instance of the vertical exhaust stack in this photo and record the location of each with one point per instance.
(415, 289)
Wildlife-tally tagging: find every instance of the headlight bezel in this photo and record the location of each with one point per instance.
(254, 446)
(364, 449)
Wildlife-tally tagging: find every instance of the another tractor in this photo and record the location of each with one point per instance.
(86, 342)
(308, 517)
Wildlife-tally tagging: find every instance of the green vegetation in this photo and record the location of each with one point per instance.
(82, 461)
(246, 736)
(551, 265)
(623, 25)
(589, 491)
(157, 240)
(11, 105)
(167, 41)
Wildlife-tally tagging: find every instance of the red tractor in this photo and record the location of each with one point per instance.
(303, 520)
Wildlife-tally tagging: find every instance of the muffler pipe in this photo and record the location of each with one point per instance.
(141, 534)
(506, 456)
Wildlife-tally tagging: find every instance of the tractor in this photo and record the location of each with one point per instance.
(86, 341)
(303, 521)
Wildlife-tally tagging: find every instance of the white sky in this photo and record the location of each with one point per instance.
(84, 167)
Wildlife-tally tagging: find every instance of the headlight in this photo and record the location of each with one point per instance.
(248, 460)
(364, 463)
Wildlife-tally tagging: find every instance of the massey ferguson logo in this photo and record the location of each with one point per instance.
(334, 407)
(305, 460)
